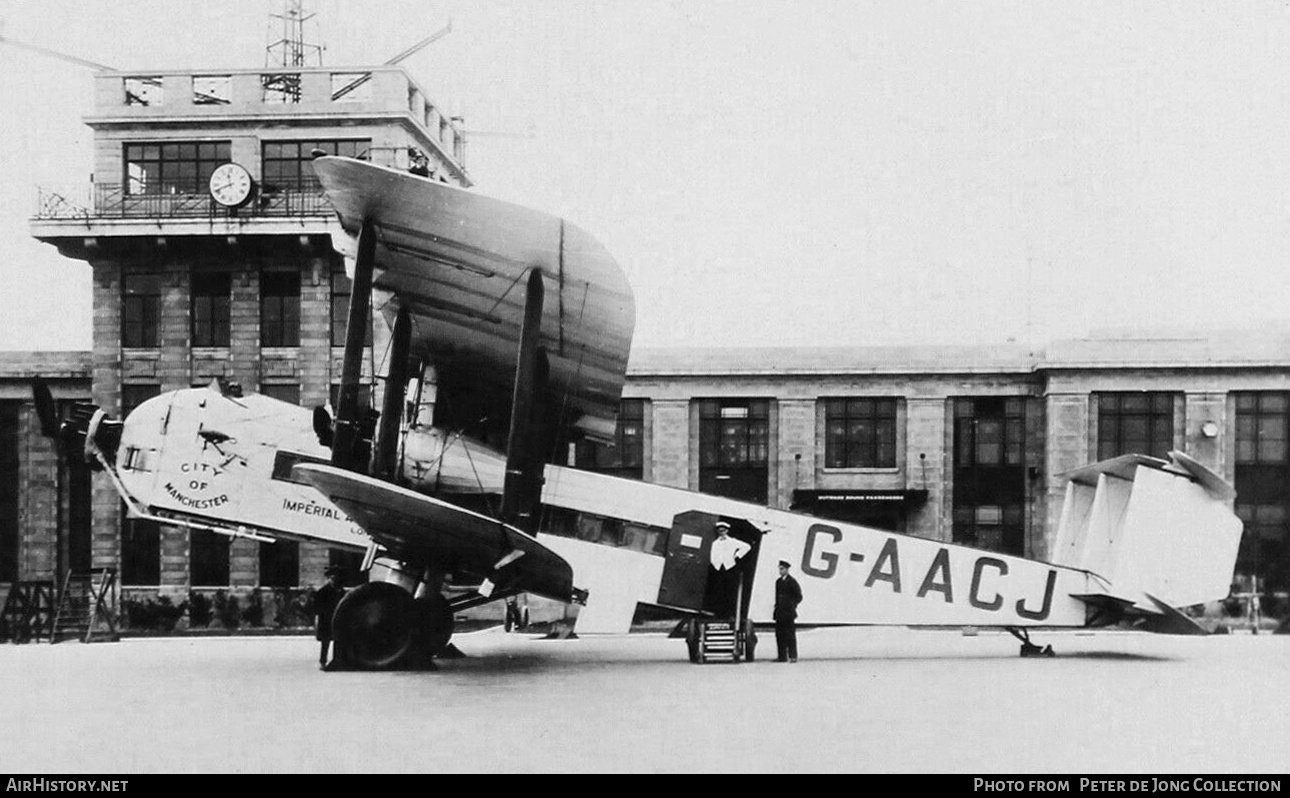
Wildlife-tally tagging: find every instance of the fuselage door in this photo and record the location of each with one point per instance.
(685, 570)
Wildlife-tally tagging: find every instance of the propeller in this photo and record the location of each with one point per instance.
(323, 426)
(46, 409)
(69, 435)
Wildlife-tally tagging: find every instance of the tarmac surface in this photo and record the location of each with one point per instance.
(860, 700)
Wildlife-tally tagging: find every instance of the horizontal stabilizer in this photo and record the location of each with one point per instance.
(1104, 609)
(1170, 621)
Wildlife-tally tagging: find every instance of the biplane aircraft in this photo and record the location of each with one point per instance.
(509, 333)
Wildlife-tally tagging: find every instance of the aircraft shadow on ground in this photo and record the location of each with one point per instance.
(1117, 655)
(509, 664)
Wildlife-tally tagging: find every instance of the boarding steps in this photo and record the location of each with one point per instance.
(721, 641)
(83, 605)
(28, 611)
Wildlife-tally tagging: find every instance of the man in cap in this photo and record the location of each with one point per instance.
(325, 600)
(788, 594)
(723, 577)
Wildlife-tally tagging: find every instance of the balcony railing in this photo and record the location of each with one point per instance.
(114, 201)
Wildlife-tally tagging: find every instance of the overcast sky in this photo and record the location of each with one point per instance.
(801, 173)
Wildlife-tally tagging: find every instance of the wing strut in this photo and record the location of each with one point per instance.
(523, 482)
(346, 451)
(385, 453)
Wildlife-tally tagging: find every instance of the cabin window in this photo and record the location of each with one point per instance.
(209, 558)
(140, 310)
(280, 309)
(280, 564)
(860, 433)
(179, 167)
(1137, 422)
(592, 528)
(211, 308)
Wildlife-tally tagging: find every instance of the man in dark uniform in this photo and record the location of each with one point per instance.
(788, 594)
(325, 600)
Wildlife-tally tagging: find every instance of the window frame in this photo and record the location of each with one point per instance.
(140, 310)
(626, 457)
(280, 312)
(211, 311)
(215, 546)
(739, 441)
(1158, 418)
(193, 167)
(847, 411)
(299, 176)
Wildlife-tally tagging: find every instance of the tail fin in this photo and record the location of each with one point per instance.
(1154, 531)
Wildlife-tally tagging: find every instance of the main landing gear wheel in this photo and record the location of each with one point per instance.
(373, 626)
(433, 625)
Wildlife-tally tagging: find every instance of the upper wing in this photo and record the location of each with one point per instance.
(418, 529)
(457, 260)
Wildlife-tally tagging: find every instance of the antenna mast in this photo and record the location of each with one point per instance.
(292, 50)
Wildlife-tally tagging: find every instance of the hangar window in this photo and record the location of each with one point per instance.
(140, 310)
(143, 89)
(283, 392)
(211, 308)
(286, 165)
(10, 495)
(209, 555)
(1139, 422)
(341, 289)
(280, 564)
(280, 308)
(140, 551)
(211, 89)
(364, 395)
(134, 395)
(350, 564)
(626, 457)
(1262, 427)
(860, 433)
(351, 87)
(734, 448)
(281, 88)
(989, 473)
(175, 167)
(1262, 487)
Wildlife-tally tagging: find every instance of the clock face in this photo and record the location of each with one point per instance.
(230, 185)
